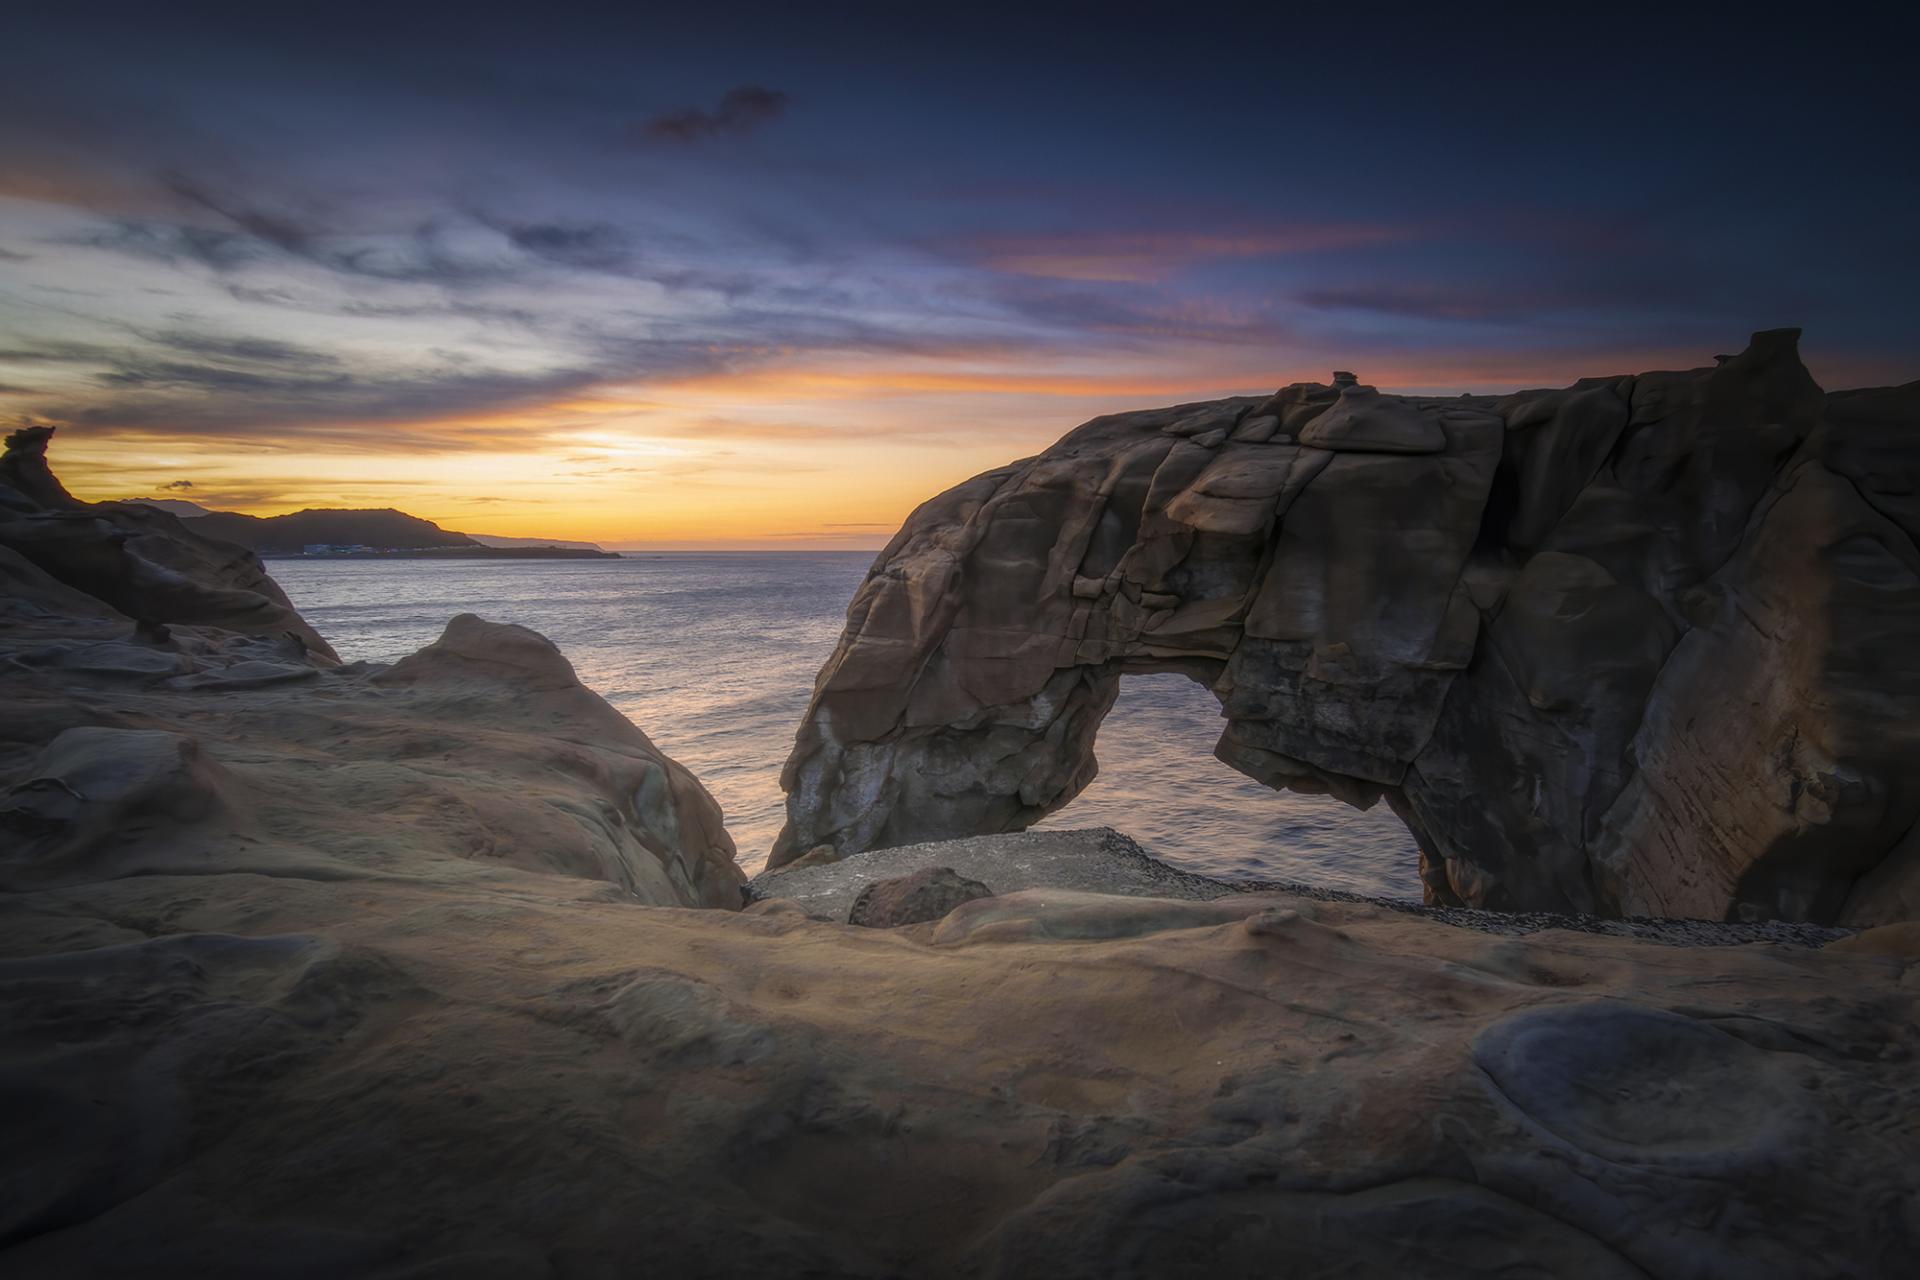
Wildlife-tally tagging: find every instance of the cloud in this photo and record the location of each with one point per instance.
(136, 372)
(250, 350)
(1468, 302)
(254, 236)
(408, 409)
(741, 111)
(1146, 257)
(54, 353)
(177, 484)
(8, 255)
(594, 247)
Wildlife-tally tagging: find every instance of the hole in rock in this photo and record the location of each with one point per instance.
(1160, 783)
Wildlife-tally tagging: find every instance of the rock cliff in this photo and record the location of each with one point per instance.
(1641, 645)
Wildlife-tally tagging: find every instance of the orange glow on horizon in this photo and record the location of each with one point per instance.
(795, 456)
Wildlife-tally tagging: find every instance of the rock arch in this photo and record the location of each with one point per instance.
(1637, 645)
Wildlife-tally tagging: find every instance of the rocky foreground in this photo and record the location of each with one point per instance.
(323, 970)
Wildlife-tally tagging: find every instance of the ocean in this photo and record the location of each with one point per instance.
(714, 655)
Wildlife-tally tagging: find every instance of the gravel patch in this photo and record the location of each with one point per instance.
(1102, 860)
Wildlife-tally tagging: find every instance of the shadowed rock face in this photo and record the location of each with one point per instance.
(1636, 646)
(140, 562)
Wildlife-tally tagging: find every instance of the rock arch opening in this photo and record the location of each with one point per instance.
(1160, 782)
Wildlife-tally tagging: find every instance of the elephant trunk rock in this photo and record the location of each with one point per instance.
(1637, 646)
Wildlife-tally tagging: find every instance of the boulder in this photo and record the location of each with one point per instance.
(926, 895)
(1639, 646)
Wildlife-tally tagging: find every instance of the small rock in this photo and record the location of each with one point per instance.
(928, 894)
(1341, 378)
(818, 856)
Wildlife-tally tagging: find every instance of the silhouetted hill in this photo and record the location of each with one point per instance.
(293, 533)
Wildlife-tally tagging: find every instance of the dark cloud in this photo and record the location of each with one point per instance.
(173, 243)
(595, 247)
(177, 484)
(178, 375)
(8, 255)
(253, 350)
(55, 353)
(313, 397)
(741, 110)
(362, 412)
(254, 236)
(1420, 302)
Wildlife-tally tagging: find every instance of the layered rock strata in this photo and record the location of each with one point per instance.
(1642, 645)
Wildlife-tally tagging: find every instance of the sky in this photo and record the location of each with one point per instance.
(759, 276)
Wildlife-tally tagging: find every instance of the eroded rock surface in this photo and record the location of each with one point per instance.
(517, 1075)
(322, 970)
(169, 713)
(1638, 646)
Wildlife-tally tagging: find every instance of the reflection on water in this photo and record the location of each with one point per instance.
(714, 656)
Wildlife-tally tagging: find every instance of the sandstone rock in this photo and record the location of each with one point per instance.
(819, 856)
(435, 1072)
(94, 792)
(169, 714)
(144, 564)
(1364, 421)
(925, 895)
(1063, 915)
(1637, 646)
(27, 482)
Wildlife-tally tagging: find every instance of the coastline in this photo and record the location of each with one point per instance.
(451, 553)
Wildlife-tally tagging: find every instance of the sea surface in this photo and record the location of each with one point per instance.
(714, 655)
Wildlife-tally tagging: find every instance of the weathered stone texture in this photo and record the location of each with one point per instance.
(1641, 645)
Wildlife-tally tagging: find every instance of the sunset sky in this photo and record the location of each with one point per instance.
(751, 276)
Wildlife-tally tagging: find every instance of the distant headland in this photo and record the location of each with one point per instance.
(345, 533)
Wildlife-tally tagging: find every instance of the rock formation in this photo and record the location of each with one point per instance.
(168, 712)
(928, 894)
(1642, 645)
(142, 563)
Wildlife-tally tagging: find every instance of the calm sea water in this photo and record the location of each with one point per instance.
(714, 656)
